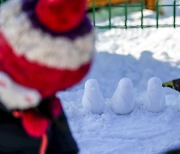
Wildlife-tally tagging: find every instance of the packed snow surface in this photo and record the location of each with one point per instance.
(144, 59)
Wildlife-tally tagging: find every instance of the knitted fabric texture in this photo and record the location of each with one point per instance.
(60, 15)
(45, 46)
(36, 58)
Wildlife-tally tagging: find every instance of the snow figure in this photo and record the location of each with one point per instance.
(45, 46)
(155, 98)
(122, 100)
(93, 100)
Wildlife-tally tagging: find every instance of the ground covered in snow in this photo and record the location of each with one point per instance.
(139, 55)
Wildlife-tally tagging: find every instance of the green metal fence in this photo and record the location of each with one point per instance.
(125, 10)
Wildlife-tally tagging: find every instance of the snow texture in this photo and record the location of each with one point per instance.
(139, 55)
(122, 100)
(178, 102)
(155, 99)
(93, 100)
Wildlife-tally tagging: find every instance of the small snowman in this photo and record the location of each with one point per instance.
(155, 98)
(93, 100)
(122, 100)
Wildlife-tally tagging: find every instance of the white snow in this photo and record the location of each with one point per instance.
(178, 102)
(92, 100)
(139, 55)
(155, 98)
(122, 100)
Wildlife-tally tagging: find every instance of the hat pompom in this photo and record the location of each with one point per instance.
(60, 15)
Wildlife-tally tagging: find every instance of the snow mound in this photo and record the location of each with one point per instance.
(93, 100)
(155, 98)
(122, 100)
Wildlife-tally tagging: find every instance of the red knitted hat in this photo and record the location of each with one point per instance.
(45, 46)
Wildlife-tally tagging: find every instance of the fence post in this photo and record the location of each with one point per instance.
(94, 12)
(126, 13)
(110, 15)
(142, 14)
(174, 14)
(157, 13)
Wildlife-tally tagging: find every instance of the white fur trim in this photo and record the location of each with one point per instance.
(15, 96)
(36, 46)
